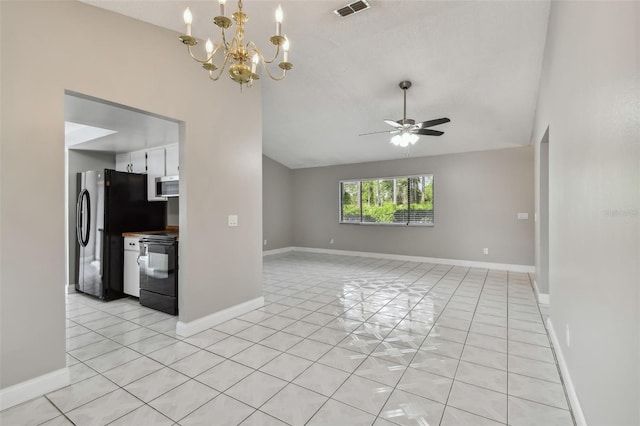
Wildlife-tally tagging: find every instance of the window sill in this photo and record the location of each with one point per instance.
(404, 225)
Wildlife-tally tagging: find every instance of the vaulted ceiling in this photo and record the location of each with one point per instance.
(476, 62)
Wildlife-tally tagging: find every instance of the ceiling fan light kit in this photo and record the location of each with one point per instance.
(241, 58)
(404, 139)
(406, 131)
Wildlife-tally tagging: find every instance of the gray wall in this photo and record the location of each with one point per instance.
(173, 211)
(277, 209)
(219, 266)
(476, 199)
(541, 191)
(589, 97)
(81, 161)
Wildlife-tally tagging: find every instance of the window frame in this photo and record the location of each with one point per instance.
(408, 223)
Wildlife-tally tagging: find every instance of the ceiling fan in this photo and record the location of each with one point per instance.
(406, 131)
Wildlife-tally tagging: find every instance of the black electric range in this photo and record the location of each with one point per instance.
(159, 271)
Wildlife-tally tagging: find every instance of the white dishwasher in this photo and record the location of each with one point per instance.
(131, 271)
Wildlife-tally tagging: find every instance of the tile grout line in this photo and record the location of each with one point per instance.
(349, 374)
(455, 373)
(324, 304)
(426, 337)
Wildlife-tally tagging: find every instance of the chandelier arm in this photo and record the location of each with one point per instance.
(257, 50)
(224, 40)
(208, 58)
(222, 68)
(202, 61)
(271, 76)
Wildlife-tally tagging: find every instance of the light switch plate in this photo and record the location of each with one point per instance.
(232, 220)
(523, 216)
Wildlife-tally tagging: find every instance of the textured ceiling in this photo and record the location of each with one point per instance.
(477, 63)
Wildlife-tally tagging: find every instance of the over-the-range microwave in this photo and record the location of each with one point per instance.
(167, 186)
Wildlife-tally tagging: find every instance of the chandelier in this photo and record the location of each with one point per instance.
(242, 58)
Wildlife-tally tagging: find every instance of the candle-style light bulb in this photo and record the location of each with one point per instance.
(279, 17)
(222, 2)
(188, 19)
(254, 62)
(209, 47)
(285, 47)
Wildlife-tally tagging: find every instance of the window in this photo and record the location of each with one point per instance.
(406, 200)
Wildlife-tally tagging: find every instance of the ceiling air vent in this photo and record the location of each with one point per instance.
(352, 8)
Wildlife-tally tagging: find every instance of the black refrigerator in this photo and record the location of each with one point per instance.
(110, 203)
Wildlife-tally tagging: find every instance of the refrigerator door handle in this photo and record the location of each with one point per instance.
(84, 240)
(79, 217)
(101, 253)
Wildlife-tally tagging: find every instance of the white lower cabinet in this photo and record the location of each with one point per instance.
(131, 269)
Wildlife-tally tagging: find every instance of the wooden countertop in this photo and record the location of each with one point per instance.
(175, 229)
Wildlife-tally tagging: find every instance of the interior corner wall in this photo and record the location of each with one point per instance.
(277, 208)
(477, 197)
(590, 104)
(219, 266)
(81, 161)
(541, 149)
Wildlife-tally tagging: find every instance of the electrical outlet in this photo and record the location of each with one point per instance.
(265, 242)
(568, 335)
(485, 250)
(232, 220)
(331, 241)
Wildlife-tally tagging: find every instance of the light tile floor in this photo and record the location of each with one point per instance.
(341, 340)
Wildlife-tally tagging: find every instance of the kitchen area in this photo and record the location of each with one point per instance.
(122, 203)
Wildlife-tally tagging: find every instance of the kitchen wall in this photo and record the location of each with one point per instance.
(219, 266)
(277, 208)
(477, 196)
(589, 97)
(173, 211)
(81, 161)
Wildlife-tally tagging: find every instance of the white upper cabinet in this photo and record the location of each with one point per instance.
(123, 162)
(155, 169)
(155, 162)
(172, 160)
(132, 162)
(138, 162)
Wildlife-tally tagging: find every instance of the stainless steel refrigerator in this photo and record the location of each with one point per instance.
(110, 203)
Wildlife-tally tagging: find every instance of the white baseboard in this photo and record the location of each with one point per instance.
(277, 251)
(33, 388)
(71, 288)
(454, 262)
(186, 329)
(543, 298)
(566, 377)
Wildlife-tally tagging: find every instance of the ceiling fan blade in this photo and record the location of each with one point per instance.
(375, 133)
(428, 132)
(432, 123)
(393, 123)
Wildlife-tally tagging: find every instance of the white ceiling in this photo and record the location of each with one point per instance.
(96, 125)
(476, 62)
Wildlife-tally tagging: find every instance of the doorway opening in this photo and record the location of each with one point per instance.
(99, 134)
